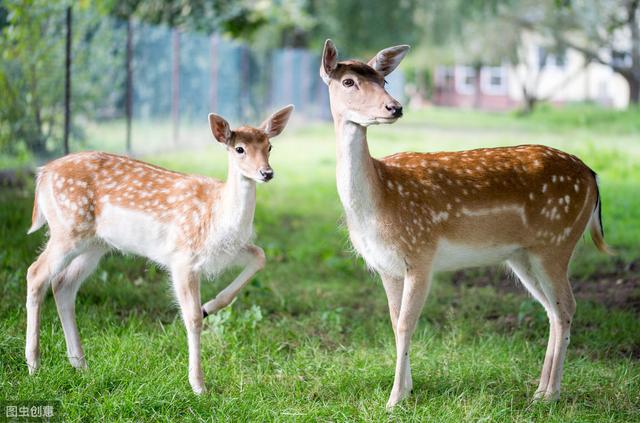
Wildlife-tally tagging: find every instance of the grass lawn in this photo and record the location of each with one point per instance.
(310, 339)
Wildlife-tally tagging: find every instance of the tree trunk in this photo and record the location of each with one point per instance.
(477, 88)
(175, 85)
(128, 105)
(213, 95)
(67, 83)
(633, 79)
(634, 90)
(530, 102)
(37, 140)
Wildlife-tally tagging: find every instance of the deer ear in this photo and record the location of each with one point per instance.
(388, 59)
(274, 125)
(329, 61)
(220, 128)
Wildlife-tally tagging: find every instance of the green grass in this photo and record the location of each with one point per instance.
(545, 118)
(309, 338)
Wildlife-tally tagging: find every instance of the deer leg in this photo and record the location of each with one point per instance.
(552, 275)
(65, 287)
(187, 286)
(393, 288)
(253, 259)
(414, 294)
(48, 265)
(521, 266)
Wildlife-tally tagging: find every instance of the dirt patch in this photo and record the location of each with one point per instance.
(617, 287)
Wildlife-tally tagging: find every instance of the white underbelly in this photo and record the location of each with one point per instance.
(454, 256)
(134, 232)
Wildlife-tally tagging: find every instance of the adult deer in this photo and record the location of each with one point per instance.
(192, 225)
(411, 214)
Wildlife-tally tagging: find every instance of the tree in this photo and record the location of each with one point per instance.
(616, 37)
(460, 31)
(604, 31)
(240, 19)
(26, 112)
(32, 72)
(362, 27)
(479, 34)
(512, 41)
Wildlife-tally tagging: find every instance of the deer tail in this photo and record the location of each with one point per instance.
(37, 217)
(595, 224)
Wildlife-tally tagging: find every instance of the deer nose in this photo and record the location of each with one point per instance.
(267, 174)
(395, 108)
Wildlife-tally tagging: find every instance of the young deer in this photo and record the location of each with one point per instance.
(411, 214)
(95, 202)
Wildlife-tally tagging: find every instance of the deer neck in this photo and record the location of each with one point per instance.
(238, 199)
(356, 177)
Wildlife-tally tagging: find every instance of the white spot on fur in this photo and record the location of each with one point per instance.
(497, 210)
(439, 217)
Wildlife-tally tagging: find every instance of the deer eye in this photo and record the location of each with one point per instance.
(270, 147)
(348, 82)
(239, 150)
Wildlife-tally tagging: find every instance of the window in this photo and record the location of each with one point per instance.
(444, 76)
(493, 80)
(542, 57)
(465, 80)
(621, 58)
(557, 59)
(560, 59)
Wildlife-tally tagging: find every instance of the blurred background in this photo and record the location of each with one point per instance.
(310, 335)
(141, 76)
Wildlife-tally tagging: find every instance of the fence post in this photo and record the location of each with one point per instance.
(304, 68)
(287, 75)
(214, 74)
(245, 83)
(67, 82)
(128, 105)
(175, 84)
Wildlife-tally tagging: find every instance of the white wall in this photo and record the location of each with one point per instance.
(596, 82)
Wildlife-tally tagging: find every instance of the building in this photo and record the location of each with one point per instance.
(559, 78)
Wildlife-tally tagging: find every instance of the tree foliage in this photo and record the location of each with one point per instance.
(476, 32)
(603, 31)
(287, 22)
(362, 27)
(32, 72)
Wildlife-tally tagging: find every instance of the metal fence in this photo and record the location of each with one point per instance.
(143, 88)
(180, 77)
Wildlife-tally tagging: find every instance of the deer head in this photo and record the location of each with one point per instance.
(249, 147)
(357, 89)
